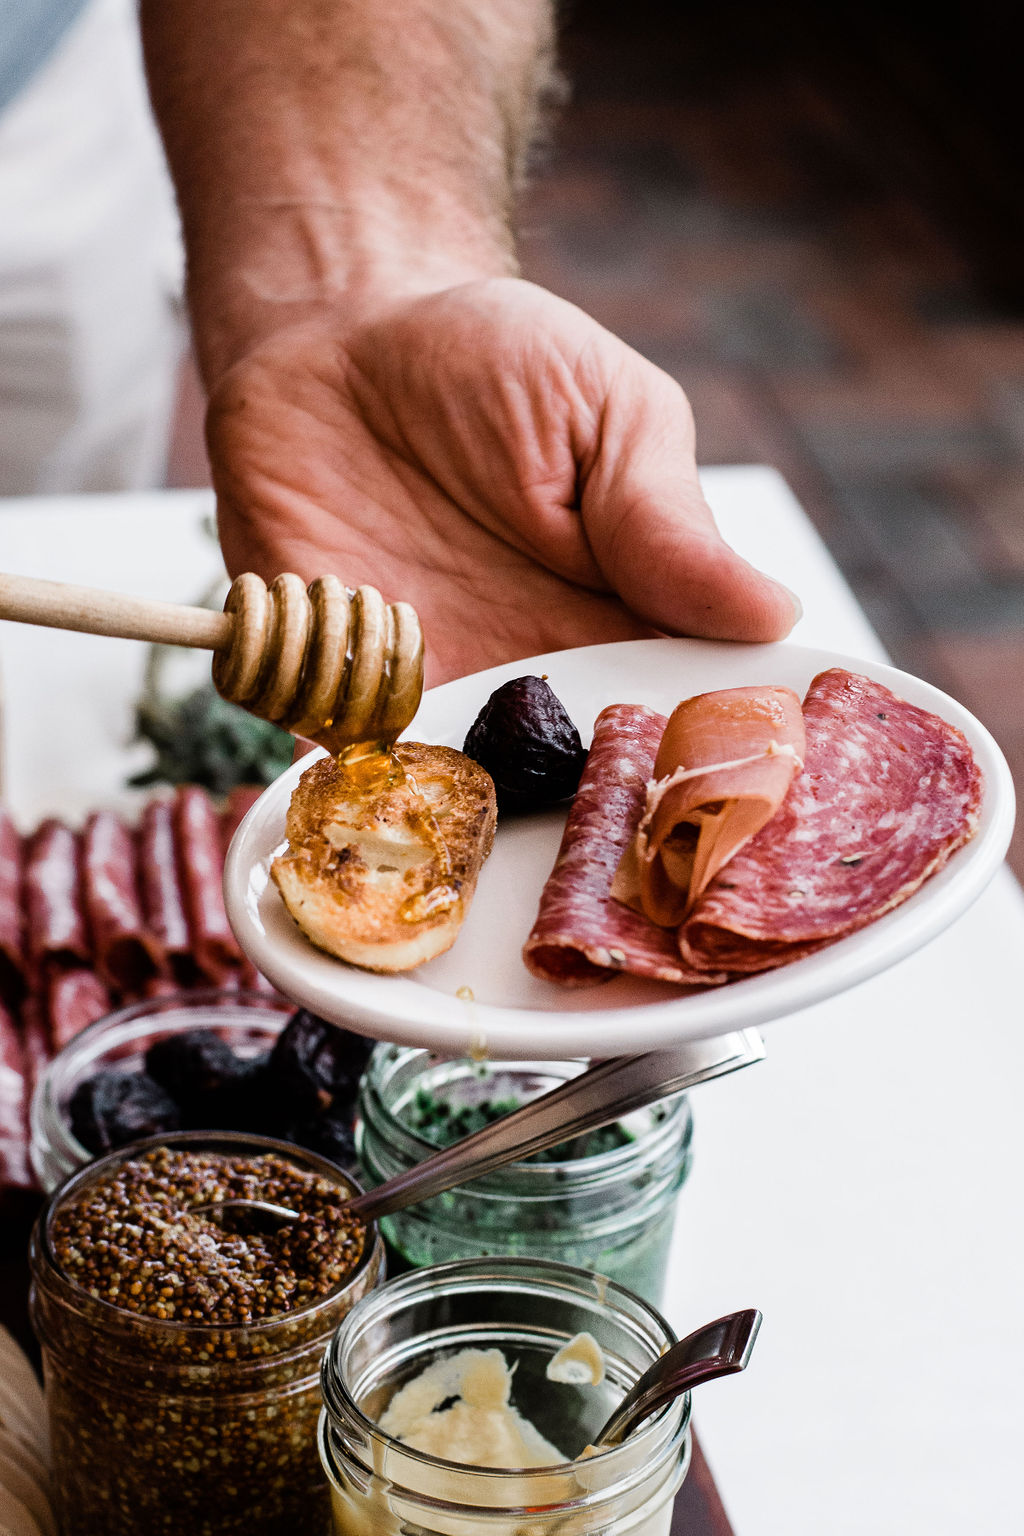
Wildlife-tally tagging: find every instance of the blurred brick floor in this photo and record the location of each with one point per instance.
(742, 234)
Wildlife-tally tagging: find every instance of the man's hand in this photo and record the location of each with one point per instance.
(490, 454)
(388, 401)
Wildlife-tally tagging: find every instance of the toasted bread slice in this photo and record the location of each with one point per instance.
(381, 866)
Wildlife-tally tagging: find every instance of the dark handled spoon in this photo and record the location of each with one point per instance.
(717, 1349)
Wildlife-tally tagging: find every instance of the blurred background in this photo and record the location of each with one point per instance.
(811, 217)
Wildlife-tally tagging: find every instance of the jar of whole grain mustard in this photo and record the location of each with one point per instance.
(181, 1349)
(527, 1311)
(605, 1201)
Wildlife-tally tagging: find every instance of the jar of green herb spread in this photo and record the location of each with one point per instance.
(604, 1201)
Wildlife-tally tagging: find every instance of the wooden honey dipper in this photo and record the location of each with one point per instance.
(336, 666)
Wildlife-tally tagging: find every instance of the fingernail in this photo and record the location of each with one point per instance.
(798, 607)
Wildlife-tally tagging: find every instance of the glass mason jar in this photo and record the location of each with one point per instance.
(612, 1211)
(185, 1427)
(247, 1021)
(528, 1309)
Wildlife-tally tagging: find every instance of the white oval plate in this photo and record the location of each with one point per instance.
(479, 998)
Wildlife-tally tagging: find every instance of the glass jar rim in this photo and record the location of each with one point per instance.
(106, 1314)
(339, 1401)
(589, 1171)
(48, 1121)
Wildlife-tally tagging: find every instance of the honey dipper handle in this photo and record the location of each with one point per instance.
(93, 611)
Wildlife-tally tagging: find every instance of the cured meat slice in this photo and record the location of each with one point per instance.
(53, 901)
(582, 936)
(723, 768)
(163, 900)
(241, 800)
(35, 1041)
(127, 954)
(15, 1172)
(12, 926)
(200, 864)
(252, 980)
(888, 792)
(74, 998)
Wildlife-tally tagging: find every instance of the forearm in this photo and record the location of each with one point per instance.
(340, 152)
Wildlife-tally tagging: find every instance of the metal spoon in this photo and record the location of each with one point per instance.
(596, 1097)
(717, 1349)
(241, 1215)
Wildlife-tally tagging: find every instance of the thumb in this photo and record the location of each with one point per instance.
(653, 534)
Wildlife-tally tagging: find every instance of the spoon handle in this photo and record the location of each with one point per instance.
(717, 1349)
(601, 1094)
(95, 611)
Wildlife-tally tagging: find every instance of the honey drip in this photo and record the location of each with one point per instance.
(374, 768)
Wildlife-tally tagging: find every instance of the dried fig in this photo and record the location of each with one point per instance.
(528, 744)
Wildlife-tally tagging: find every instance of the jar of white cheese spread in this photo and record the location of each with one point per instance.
(605, 1201)
(462, 1399)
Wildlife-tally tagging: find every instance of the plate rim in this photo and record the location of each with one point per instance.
(455, 1025)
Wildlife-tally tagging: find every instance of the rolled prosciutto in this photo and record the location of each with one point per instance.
(888, 793)
(127, 954)
(723, 768)
(582, 936)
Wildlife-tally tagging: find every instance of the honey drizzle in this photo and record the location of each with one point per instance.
(374, 768)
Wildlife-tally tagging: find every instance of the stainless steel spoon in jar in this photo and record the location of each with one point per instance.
(717, 1349)
(596, 1097)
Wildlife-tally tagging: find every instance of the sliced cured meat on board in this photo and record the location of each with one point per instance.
(54, 913)
(13, 977)
(163, 899)
(888, 793)
(14, 1166)
(240, 802)
(35, 1040)
(91, 921)
(200, 866)
(74, 998)
(127, 955)
(582, 935)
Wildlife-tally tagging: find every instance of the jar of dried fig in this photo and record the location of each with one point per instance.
(182, 1342)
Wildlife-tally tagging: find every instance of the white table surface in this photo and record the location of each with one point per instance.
(862, 1186)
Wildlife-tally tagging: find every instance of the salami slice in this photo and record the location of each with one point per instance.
(888, 792)
(74, 998)
(252, 980)
(53, 901)
(15, 1172)
(582, 936)
(12, 925)
(163, 900)
(240, 802)
(35, 1040)
(127, 954)
(200, 867)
